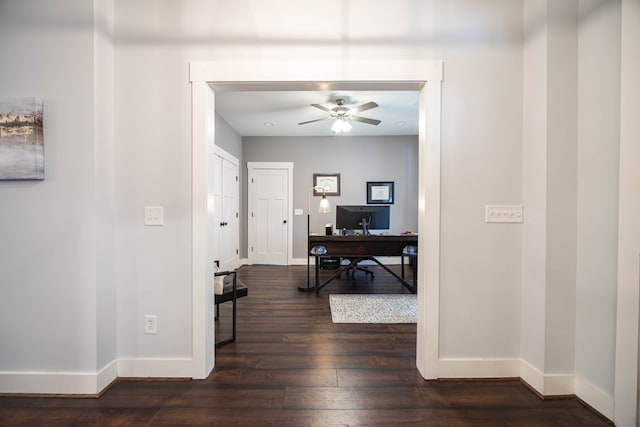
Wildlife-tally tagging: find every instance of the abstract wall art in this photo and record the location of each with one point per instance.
(21, 139)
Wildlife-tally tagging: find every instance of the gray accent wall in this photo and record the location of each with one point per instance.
(356, 159)
(227, 138)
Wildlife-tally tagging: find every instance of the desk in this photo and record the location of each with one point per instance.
(360, 248)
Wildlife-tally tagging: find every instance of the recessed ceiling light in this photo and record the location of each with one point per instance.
(401, 123)
(268, 123)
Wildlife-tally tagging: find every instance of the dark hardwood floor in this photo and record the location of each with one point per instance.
(291, 366)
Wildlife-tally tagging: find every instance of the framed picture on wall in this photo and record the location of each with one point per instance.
(330, 182)
(379, 192)
(21, 139)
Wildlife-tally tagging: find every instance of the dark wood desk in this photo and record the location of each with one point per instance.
(359, 248)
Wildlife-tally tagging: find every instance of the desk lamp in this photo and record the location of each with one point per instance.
(324, 207)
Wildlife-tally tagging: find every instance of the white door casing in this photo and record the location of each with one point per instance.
(424, 75)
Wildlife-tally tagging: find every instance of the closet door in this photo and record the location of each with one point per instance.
(229, 231)
(224, 186)
(214, 187)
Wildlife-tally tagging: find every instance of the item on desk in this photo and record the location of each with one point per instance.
(328, 229)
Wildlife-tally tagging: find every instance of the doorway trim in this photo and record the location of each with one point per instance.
(426, 76)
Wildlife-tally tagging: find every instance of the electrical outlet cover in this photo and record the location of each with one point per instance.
(153, 215)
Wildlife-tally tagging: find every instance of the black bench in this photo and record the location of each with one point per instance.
(232, 290)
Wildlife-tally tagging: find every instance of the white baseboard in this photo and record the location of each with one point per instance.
(595, 397)
(107, 375)
(547, 384)
(90, 383)
(75, 383)
(155, 368)
(479, 368)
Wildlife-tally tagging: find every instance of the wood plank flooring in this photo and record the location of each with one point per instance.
(292, 367)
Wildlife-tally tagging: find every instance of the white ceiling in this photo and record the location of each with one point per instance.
(247, 112)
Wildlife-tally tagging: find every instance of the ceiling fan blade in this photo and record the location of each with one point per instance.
(365, 120)
(322, 107)
(363, 107)
(311, 121)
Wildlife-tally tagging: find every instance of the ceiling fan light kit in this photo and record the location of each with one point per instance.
(342, 115)
(340, 126)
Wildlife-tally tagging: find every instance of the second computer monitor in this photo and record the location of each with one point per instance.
(362, 217)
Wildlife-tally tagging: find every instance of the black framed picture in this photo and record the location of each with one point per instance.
(330, 182)
(380, 192)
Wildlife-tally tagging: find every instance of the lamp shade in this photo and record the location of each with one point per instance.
(324, 207)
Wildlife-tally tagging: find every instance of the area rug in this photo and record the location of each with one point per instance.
(376, 308)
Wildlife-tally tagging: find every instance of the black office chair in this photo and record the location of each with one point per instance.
(355, 267)
(231, 291)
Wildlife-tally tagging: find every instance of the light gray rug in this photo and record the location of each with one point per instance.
(376, 308)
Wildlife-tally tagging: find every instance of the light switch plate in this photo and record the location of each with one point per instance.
(503, 213)
(153, 215)
(298, 212)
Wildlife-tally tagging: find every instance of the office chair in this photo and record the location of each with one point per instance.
(353, 267)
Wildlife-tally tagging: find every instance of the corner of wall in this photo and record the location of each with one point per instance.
(59, 383)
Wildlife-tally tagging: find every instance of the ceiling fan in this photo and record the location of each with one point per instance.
(342, 114)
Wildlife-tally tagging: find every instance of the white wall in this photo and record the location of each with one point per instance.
(534, 183)
(597, 221)
(550, 185)
(481, 45)
(570, 138)
(570, 187)
(106, 295)
(481, 156)
(153, 164)
(57, 309)
(626, 378)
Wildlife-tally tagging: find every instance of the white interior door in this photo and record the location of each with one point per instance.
(215, 205)
(223, 205)
(230, 237)
(269, 190)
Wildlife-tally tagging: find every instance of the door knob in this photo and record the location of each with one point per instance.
(284, 222)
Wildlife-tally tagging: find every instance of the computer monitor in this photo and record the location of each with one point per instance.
(363, 217)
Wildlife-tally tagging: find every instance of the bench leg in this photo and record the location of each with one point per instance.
(233, 315)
